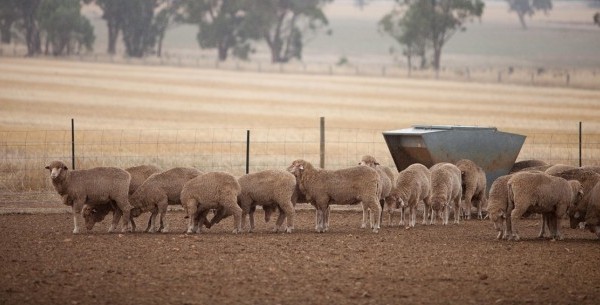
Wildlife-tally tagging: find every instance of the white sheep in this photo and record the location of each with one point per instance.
(160, 190)
(559, 168)
(345, 186)
(387, 179)
(445, 189)
(497, 208)
(588, 179)
(473, 186)
(528, 164)
(213, 190)
(99, 185)
(272, 189)
(532, 192)
(96, 213)
(412, 187)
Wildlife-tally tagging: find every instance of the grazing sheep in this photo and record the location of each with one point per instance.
(160, 190)
(521, 165)
(592, 214)
(345, 186)
(497, 208)
(96, 186)
(139, 174)
(412, 187)
(268, 188)
(588, 179)
(530, 192)
(558, 168)
(387, 178)
(213, 190)
(445, 189)
(474, 186)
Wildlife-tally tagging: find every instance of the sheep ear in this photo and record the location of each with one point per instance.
(577, 215)
(65, 167)
(301, 167)
(94, 211)
(48, 167)
(376, 163)
(359, 163)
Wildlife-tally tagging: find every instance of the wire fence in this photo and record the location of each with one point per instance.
(526, 75)
(24, 154)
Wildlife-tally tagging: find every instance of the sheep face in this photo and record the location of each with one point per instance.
(574, 219)
(297, 167)
(368, 161)
(498, 218)
(91, 215)
(56, 168)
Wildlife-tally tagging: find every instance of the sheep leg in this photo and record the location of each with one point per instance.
(77, 216)
(554, 223)
(124, 206)
(375, 216)
(153, 220)
(250, 218)
(192, 209)
(457, 210)
(234, 208)
(162, 225)
(482, 203)
(326, 214)
(290, 213)
(413, 216)
(117, 214)
(401, 223)
(516, 213)
(365, 211)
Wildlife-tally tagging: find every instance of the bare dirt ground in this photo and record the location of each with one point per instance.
(42, 262)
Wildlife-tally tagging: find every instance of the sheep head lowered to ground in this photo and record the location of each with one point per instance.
(588, 179)
(344, 186)
(387, 178)
(139, 174)
(412, 187)
(272, 189)
(445, 190)
(473, 186)
(96, 186)
(497, 207)
(531, 192)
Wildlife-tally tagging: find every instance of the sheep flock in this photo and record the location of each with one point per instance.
(532, 187)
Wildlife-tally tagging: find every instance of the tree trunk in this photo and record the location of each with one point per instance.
(5, 31)
(409, 61)
(113, 34)
(222, 52)
(522, 20)
(161, 36)
(437, 54)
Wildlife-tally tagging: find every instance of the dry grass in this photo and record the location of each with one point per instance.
(128, 114)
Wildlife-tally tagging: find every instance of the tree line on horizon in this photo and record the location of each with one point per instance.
(232, 27)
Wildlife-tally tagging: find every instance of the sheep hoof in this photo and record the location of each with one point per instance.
(363, 226)
(289, 230)
(376, 230)
(76, 231)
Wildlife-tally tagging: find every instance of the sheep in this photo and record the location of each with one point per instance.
(268, 188)
(497, 208)
(139, 174)
(445, 189)
(344, 186)
(531, 192)
(96, 186)
(558, 168)
(160, 190)
(213, 190)
(387, 179)
(588, 180)
(592, 217)
(412, 187)
(521, 165)
(474, 186)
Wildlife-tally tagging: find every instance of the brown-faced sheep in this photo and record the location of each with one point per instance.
(139, 174)
(521, 165)
(473, 186)
(387, 180)
(588, 179)
(497, 208)
(160, 190)
(559, 168)
(445, 190)
(100, 185)
(213, 190)
(345, 186)
(412, 187)
(268, 188)
(531, 192)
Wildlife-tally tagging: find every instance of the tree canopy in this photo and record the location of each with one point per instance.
(419, 25)
(64, 28)
(525, 8)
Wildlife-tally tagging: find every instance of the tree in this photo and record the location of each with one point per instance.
(169, 14)
(224, 25)
(113, 14)
(409, 30)
(8, 16)
(64, 27)
(597, 19)
(528, 8)
(139, 35)
(27, 13)
(286, 25)
(436, 21)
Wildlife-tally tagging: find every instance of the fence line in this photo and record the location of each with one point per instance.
(25, 153)
(536, 76)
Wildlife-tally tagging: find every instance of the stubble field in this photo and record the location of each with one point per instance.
(43, 263)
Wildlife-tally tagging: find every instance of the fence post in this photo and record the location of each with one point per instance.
(72, 144)
(579, 144)
(247, 151)
(322, 146)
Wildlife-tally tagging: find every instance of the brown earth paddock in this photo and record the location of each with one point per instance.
(44, 263)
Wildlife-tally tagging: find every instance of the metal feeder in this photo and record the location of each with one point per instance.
(492, 150)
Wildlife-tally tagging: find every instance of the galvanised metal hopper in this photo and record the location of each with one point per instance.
(493, 150)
